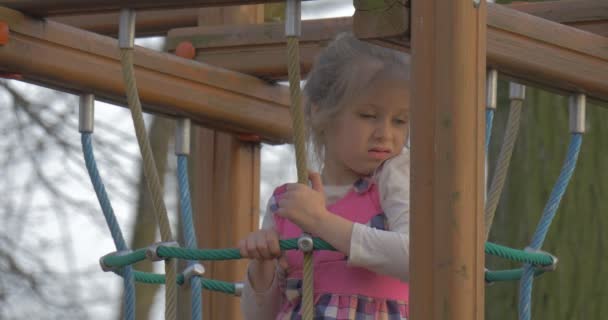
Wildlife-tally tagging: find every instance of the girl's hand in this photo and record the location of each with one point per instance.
(303, 205)
(261, 245)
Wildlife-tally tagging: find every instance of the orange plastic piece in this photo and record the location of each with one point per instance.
(186, 50)
(249, 137)
(3, 33)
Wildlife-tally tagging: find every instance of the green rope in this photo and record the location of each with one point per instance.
(534, 258)
(200, 254)
(208, 284)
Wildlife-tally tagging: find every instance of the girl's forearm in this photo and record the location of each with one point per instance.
(335, 230)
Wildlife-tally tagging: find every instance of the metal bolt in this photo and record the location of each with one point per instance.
(305, 243)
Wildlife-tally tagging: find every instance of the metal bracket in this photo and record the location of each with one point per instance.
(195, 269)
(151, 251)
(107, 268)
(491, 88)
(238, 288)
(86, 113)
(577, 113)
(182, 137)
(126, 30)
(293, 15)
(305, 243)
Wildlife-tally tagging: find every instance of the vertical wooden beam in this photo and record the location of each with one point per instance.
(447, 257)
(228, 180)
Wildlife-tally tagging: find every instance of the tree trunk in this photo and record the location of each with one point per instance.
(576, 289)
(145, 227)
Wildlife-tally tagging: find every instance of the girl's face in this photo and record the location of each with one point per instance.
(367, 132)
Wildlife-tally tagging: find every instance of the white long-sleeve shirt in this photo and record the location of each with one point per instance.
(382, 251)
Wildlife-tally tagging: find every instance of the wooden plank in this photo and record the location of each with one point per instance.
(226, 208)
(73, 60)
(447, 186)
(231, 210)
(547, 54)
(597, 27)
(564, 11)
(45, 8)
(522, 46)
(264, 53)
(148, 23)
(588, 15)
(383, 22)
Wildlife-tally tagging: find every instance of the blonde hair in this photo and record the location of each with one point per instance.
(340, 73)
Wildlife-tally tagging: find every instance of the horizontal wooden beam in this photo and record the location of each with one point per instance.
(564, 11)
(588, 15)
(257, 49)
(45, 8)
(532, 49)
(547, 53)
(148, 23)
(73, 60)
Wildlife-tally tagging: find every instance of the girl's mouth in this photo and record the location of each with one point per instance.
(378, 153)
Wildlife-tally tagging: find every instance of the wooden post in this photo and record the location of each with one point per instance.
(447, 230)
(226, 184)
(228, 181)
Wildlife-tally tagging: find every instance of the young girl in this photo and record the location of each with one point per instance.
(357, 111)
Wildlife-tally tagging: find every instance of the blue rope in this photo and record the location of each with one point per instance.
(108, 212)
(489, 120)
(525, 287)
(189, 235)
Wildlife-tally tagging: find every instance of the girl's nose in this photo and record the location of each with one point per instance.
(383, 130)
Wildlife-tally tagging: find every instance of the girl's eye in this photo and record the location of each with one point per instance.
(367, 115)
(400, 121)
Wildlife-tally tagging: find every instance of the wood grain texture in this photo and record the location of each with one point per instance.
(45, 8)
(447, 187)
(80, 61)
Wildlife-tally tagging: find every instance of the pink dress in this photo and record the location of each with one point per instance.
(341, 291)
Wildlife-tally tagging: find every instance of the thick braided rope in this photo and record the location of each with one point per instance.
(189, 234)
(502, 166)
(108, 213)
(207, 284)
(151, 175)
(297, 115)
(525, 286)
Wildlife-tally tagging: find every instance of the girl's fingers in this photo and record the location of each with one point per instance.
(252, 249)
(262, 248)
(316, 181)
(243, 249)
(272, 242)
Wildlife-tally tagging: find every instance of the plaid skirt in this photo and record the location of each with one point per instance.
(341, 307)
